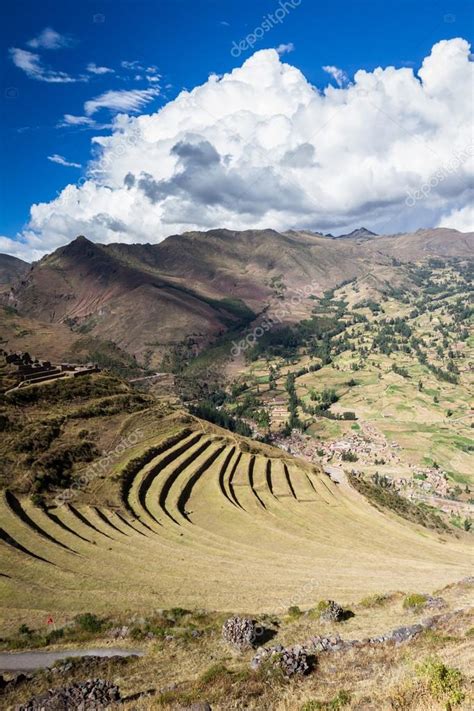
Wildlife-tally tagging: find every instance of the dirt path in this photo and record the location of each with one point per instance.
(337, 474)
(29, 661)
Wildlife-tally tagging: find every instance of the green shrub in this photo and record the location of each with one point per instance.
(110, 405)
(341, 699)
(36, 438)
(54, 636)
(383, 497)
(24, 629)
(56, 464)
(321, 607)
(137, 633)
(414, 602)
(89, 623)
(374, 600)
(213, 674)
(176, 613)
(294, 612)
(444, 683)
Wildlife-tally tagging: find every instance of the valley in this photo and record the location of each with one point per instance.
(304, 436)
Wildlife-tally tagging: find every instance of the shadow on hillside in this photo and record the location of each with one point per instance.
(265, 635)
(139, 695)
(346, 615)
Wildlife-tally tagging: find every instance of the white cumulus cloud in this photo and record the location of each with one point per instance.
(462, 219)
(261, 147)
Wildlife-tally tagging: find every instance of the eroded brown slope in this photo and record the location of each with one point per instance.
(200, 284)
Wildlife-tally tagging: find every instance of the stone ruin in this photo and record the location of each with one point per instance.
(89, 695)
(240, 632)
(299, 658)
(331, 612)
(290, 661)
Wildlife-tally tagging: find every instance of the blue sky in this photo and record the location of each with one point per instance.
(171, 44)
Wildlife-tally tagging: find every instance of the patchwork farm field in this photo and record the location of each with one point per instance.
(210, 521)
(381, 362)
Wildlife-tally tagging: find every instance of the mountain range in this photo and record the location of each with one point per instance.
(145, 298)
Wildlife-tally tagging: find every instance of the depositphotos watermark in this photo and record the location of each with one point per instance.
(98, 468)
(269, 21)
(269, 322)
(300, 596)
(452, 166)
(104, 162)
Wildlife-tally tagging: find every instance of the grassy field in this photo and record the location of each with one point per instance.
(210, 521)
(425, 674)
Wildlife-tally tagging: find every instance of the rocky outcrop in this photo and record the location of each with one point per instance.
(90, 695)
(290, 661)
(435, 602)
(119, 632)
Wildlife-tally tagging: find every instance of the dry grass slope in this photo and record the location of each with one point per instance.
(207, 524)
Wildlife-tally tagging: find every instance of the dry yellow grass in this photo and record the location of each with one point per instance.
(216, 530)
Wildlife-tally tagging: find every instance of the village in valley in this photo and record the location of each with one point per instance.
(356, 399)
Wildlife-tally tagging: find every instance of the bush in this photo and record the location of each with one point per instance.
(349, 457)
(54, 636)
(414, 602)
(207, 411)
(294, 612)
(385, 498)
(444, 683)
(215, 673)
(24, 629)
(341, 699)
(56, 464)
(36, 438)
(89, 623)
(374, 600)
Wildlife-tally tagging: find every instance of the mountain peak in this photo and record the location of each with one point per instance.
(78, 247)
(359, 233)
(80, 242)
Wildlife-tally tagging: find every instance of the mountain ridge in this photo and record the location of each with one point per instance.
(200, 285)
